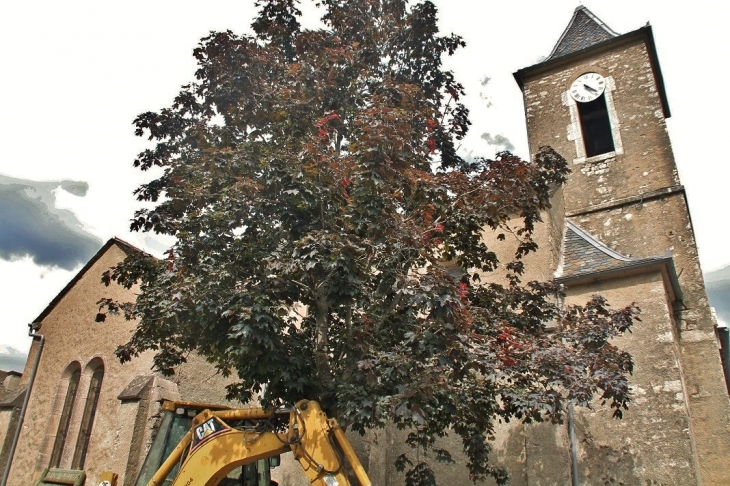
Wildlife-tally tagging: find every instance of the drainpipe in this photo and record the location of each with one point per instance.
(573, 451)
(25, 403)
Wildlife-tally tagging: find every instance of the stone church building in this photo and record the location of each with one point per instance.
(86, 411)
(620, 227)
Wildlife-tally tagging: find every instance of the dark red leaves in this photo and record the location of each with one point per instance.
(320, 208)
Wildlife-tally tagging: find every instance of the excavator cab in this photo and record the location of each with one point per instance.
(176, 421)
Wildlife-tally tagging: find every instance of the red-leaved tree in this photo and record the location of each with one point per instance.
(320, 210)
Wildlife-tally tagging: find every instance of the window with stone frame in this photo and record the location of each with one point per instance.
(595, 125)
(87, 420)
(68, 405)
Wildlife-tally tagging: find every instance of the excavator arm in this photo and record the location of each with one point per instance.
(211, 448)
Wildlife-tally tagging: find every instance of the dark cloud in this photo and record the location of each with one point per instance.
(499, 141)
(32, 225)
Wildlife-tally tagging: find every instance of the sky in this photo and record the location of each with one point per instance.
(75, 74)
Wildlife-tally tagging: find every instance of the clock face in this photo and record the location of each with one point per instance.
(587, 87)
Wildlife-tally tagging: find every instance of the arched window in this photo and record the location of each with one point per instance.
(68, 404)
(87, 420)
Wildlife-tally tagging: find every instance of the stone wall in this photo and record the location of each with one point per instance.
(128, 410)
(72, 336)
(647, 161)
(8, 423)
(632, 200)
(652, 444)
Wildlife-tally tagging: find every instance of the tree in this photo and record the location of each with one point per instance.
(329, 238)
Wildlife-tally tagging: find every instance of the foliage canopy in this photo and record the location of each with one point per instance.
(329, 238)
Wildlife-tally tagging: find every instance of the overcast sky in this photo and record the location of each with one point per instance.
(76, 73)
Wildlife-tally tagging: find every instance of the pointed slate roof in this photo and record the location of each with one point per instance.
(587, 36)
(585, 258)
(584, 30)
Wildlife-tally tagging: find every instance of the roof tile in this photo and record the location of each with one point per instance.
(585, 255)
(583, 31)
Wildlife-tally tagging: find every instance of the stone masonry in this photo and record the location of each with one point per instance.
(631, 201)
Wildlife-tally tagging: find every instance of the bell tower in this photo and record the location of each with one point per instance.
(599, 100)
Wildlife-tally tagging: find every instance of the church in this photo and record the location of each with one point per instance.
(620, 227)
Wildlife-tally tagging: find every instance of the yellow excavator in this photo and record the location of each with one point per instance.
(206, 445)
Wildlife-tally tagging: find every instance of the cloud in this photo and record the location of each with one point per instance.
(158, 245)
(32, 225)
(488, 99)
(499, 141)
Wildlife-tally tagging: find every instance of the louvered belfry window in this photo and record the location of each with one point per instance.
(596, 127)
